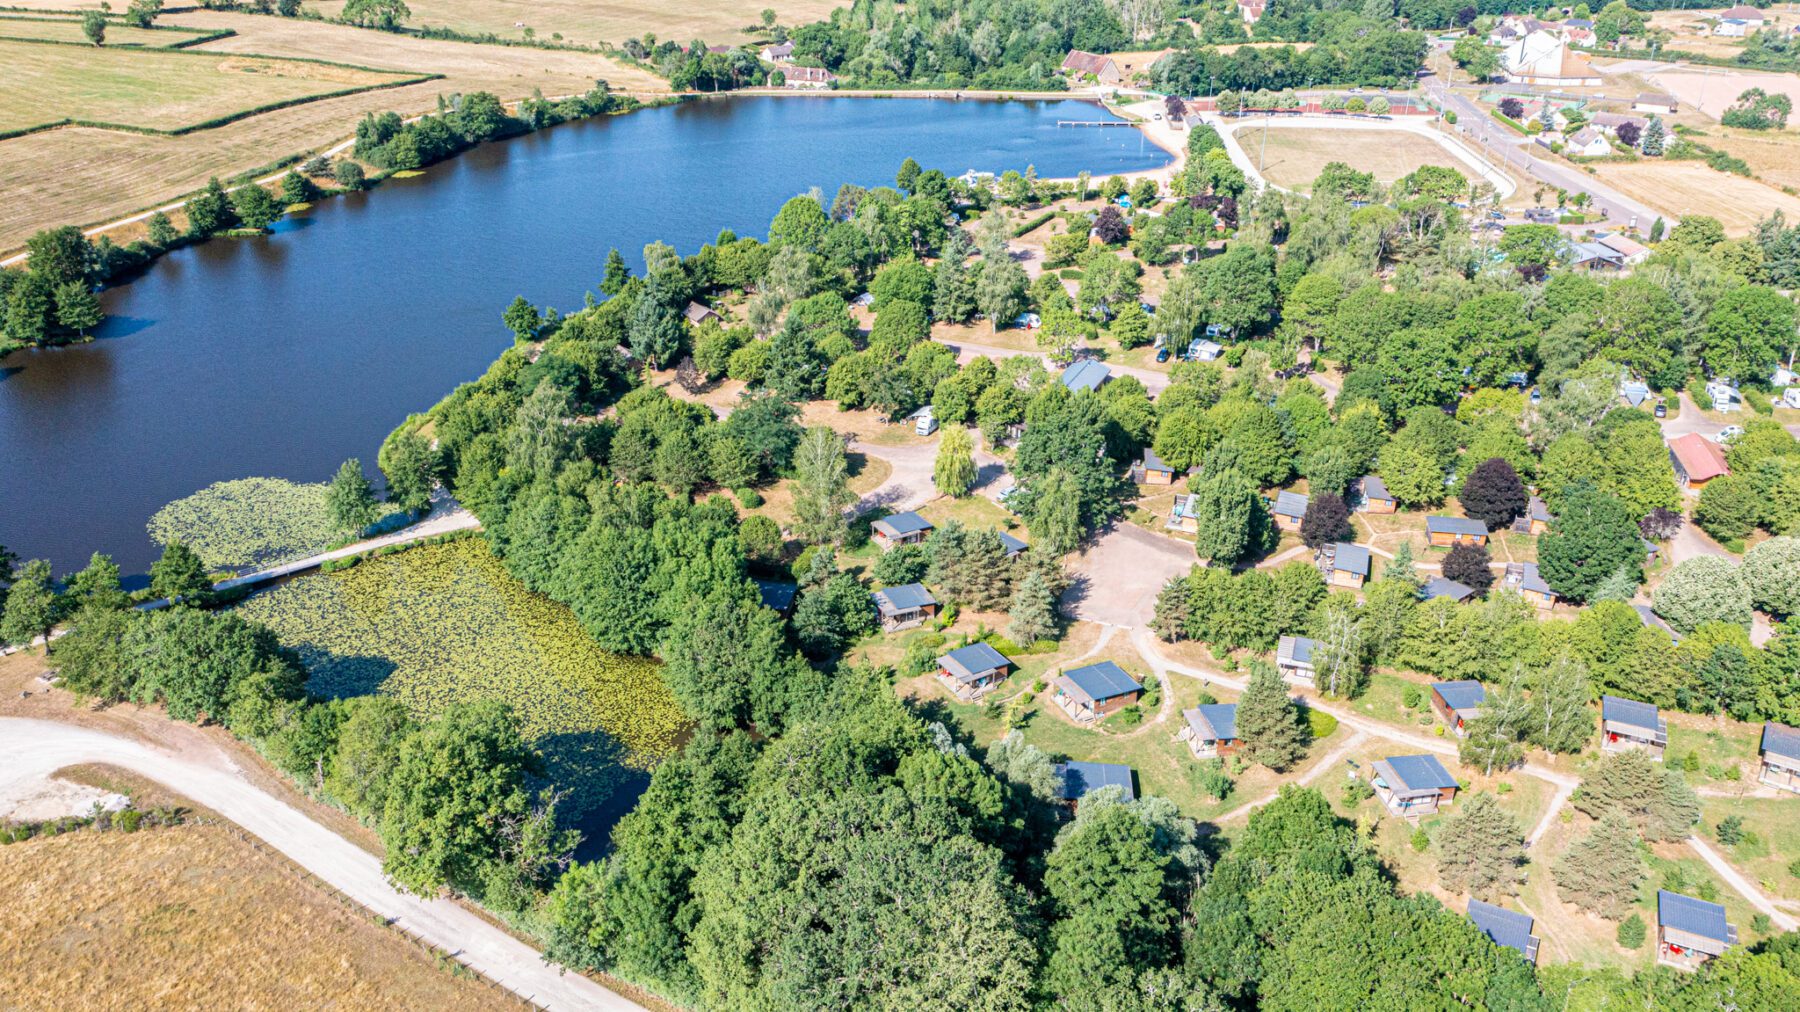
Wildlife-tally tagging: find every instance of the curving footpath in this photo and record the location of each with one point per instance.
(34, 749)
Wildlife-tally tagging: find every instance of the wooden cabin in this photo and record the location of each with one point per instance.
(1443, 586)
(1184, 516)
(971, 671)
(1293, 658)
(1344, 565)
(1449, 532)
(1076, 780)
(1507, 928)
(1523, 578)
(900, 529)
(1628, 724)
(904, 607)
(1371, 495)
(1289, 510)
(1210, 730)
(1090, 693)
(1780, 757)
(1412, 786)
(1690, 931)
(1457, 703)
(1152, 471)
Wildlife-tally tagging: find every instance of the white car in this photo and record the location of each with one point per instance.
(1729, 434)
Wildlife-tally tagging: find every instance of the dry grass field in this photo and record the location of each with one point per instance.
(194, 917)
(29, 26)
(161, 90)
(1683, 188)
(590, 21)
(1294, 155)
(86, 176)
(1711, 91)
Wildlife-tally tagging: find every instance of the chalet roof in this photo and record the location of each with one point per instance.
(1443, 586)
(1629, 712)
(1080, 62)
(1586, 136)
(908, 597)
(1012, 545)
(902, 524)
(1079, 779)
(1699, 456)
(1100, 682)
(1370, 486)
(1463, 695)
(777, 594)
(1694, 916)
(1297, 649)
(1213, 721)
(695, 313)
(1782, 740)
(970, 662)
(1525, 577)
(1349, 558)
(1154, 463)
(816, 75)
(1290, 504)
(1464, 526)
(1086, 374)
(1622, 243)
(1539, 511)
(1743, 12)
(1504, 927)
(1415, 773)
(778, 50)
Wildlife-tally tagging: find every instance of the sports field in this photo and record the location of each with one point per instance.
(588, 22)
(1292, 156)
(155, 89)
(1682, 188)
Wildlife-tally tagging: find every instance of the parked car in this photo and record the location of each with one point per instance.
(1729, 434)
(1162, 354)
(1661, 410)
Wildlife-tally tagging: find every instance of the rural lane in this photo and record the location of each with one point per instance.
(1737, 881)
(34, 749)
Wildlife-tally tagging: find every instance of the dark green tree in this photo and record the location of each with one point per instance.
(1592, 538)
(350, 499)
(179, 573)
(1268, 721)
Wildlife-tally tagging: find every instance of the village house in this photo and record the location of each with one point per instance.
(1543, 58)
(1289, 510)
(778, 52)
(1152, 471)
(1690, 931)
(1697, 460)
(1781, 757)
(1443, 586)
(1251, 10)
(1183, 516)
(1610, 122)
(1457, 703)
(1448, 532)
(1211, 730)
(1506, 927)
(697, 314)
(813, 78)
(1089, 693)
(971, 671)
(1294, 659)
(1627, 724)
(1633, 251)
(1344, 564)
(1524, 579)
(778, 595)
(1100, 68)
(1013, 546)
(1087, 374)
(904, 607)
(1077, 780)
(1595, 257)
(907, 528)
(1655, 102)
(1587, 143)
(1412, 785)
(1371, 495)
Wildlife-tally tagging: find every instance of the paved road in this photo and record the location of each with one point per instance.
(33, 749)
(1689, 419)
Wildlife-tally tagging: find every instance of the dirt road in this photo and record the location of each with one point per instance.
(31, 750)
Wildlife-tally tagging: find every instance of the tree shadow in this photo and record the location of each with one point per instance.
(340, 676)
(599, 789)
(1080, 587)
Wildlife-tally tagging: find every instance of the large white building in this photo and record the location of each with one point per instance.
(1542, 58)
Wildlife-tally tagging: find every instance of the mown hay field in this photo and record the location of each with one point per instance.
(586, 22)
(1684, 188)
(78, 175)
(194, 917)
(64, 29)
(1292, 157)
(156, 89)
(444, 624)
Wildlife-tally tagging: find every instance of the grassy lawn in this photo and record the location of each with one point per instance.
(866, 474)
(1293, 156)
(446, 623)
(1686, 188)
(192, 916)
(976, 512)
(1771, 841)
(156, 89)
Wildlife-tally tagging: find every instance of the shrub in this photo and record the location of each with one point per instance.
(1731, 830)
(749, 497)
(1320, 723)
(1762, 925)
(129, 819)
(1214, 782)
(1420, 840)
(1631, 932)
(1357, 790)
(1412, 697)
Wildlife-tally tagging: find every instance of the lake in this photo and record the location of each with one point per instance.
(285, 355)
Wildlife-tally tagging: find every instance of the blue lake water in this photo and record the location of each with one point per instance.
(284, 355)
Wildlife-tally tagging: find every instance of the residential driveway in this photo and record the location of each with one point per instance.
(909, 485)
(1119, 575)
(1691, 543)
(1690, 420)
(31, 750)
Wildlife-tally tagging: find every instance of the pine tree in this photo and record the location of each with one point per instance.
(989, 577)
(950, 570)
(1651, 143)
(1032, 616)
(1657, 800)
(613, 281)
(349, 499)
(1171, 618)
(1400, 568)
(1603, 870)
(954, 470)
(1481, 850)
(1268, 722)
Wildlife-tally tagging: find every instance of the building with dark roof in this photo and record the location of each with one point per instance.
(1690, 931)
(697, 314)
(1087, 374)
(1344, 564)
(1089, 693)
(1448, 532)
(1628, 724)
(1289, 510)
(1371, 495)
(778, 594)
(904, 607)
(1293, 658)
(1506, 927)
(1211, 730)
(1457, 703)
(1077, 780)
(1012, 545)
(1524, 579)
(1443, 586)
(1781, 757)
(1152, 471)
(971, 671)
(1412, 785)
(900, 529)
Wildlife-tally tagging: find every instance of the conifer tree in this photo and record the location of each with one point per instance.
(1268, 722)
(1603, 870)
(1033, 612)
(1481, 849)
